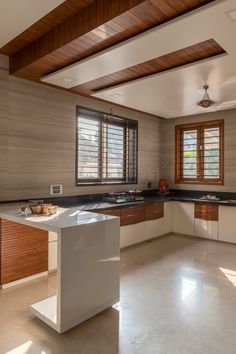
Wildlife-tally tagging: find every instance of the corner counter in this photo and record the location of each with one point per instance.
(88, 253)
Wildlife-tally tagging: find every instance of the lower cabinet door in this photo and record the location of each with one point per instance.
(154, 228)
(227, 224)
(52, 256)
(168, 217)
(206, 228)
(184, 218)
(131, 234)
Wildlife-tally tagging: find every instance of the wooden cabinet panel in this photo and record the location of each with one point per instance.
(113, 212)
(132, 215)
(206, 212)
(154, 211)
(24, 251)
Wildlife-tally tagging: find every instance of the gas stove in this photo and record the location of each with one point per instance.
(124, 197)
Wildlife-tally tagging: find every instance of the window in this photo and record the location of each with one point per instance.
(106, 148)
(200, 153)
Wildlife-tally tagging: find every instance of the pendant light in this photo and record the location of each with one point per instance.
(206, 101)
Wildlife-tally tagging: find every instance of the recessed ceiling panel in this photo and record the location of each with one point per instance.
(152, 44)
(17, 15)
(176, 93)
(194, 53)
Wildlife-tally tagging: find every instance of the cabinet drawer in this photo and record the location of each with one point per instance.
(154, 211)
(206, 212)
(132, 215)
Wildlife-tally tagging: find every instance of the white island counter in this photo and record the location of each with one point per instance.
(88, 253)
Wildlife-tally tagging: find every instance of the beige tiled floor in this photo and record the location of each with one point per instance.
(178, 296)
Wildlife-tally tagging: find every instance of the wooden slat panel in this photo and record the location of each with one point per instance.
(132, 215)
(206, 212)
(154, 211)
(154, 66)
(98, 26)
(113, 212)
(55, 17)
(24, 251)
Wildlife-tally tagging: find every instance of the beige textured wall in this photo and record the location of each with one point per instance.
(168, 149)
(37, 140)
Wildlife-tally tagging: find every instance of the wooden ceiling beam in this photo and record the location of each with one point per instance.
(96, 14)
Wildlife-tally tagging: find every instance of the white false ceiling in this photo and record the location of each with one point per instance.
(17, 15)
(172, 93)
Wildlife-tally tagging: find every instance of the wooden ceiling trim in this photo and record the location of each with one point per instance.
(44, 25)
(194, 53)
(98, 26)
(89, 18)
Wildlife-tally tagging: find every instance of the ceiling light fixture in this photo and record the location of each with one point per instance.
(206, 101)
(67, 79)
(116, 96)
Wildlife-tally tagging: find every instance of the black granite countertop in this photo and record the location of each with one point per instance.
(96, 202)
(153, 199)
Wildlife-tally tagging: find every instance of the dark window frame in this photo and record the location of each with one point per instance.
(111, 119)
(200, 126)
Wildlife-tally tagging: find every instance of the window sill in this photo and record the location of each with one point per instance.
(84, 184)
(213, 183)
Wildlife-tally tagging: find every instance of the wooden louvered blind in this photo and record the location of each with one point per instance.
(200, 153)
(106, 148)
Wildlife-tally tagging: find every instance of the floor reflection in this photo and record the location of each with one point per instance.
(188, 287)
(230, 275)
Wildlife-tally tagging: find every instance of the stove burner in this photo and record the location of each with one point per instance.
(124, 197)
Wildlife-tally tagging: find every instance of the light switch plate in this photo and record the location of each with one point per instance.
(56, 189)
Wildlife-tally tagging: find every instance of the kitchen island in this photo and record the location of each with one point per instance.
(88, 254)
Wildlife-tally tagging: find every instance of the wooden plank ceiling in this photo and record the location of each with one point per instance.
(79, 28)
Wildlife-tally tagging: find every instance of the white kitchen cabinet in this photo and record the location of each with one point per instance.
(227, 224)
(52, 251)
(184, 218)
(154, 228)
(52, 256)
(132, 234)
(206, 228)
(52, 236)
(168, 218)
